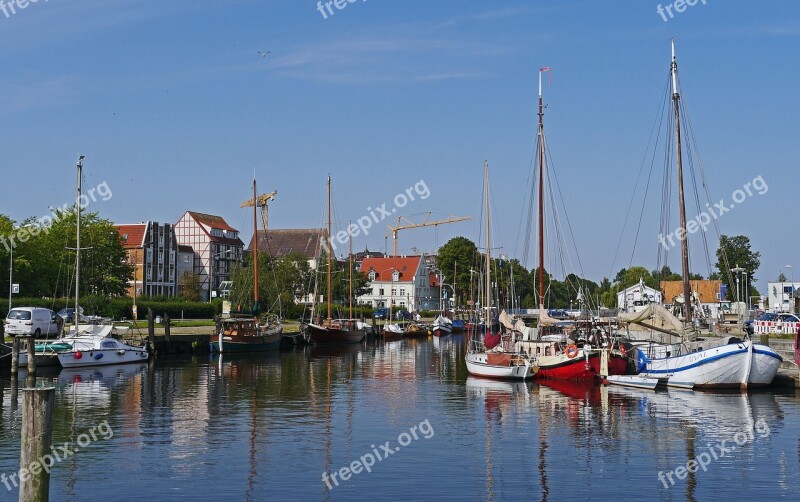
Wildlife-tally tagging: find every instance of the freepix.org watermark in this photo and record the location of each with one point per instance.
(43, 224)
(57, 454)
(326, 8)
(678, 6)
(10, 7)
(376, 215)
(701, 222)
(367, 461)
(714, 453)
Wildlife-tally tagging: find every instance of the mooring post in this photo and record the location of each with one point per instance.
(35, 460)
(31, 356)
(151, 330)
(166, 330)
(15, 356)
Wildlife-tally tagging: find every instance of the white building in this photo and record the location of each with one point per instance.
(402, 282)
(779, 296)
(637, 297)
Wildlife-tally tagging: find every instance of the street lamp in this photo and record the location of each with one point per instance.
(10, 274)
(211, 271)
(737, 270)
(791, 272)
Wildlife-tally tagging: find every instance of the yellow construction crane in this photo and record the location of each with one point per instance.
(426, 223)
(262, 201)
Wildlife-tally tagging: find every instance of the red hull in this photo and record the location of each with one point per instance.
(576, 369)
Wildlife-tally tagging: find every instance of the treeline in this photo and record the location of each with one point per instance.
(462, 265)
(44, 256)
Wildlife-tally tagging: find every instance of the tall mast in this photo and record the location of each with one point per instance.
(687, 292)
(488, 248)
(328, 298)
(541, 191)
(77, 314)
(255, 247)
(351, 270)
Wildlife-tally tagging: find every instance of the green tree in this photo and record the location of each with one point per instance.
(189, 285)
(458, 256)
(734, 252)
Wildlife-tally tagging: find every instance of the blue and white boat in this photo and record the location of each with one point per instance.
(726, 363)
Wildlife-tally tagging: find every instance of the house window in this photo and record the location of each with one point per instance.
(371, 275)
(381, 292)
(395, 276)
(394, 291)
(402, 291)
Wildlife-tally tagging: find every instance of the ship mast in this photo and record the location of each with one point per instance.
(77, 314)
(541, 191)
(328, 298)
(351, 270)
(687, 298)
(488, 249)
(255, 249)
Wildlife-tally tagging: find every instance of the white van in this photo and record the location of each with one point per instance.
(32, 321)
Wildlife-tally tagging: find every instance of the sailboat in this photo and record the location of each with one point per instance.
(92, 344)
(727, 362)
(334, 331)
(247, 333)
(500, 361)
(558, 356)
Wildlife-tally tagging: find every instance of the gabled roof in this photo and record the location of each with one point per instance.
(383, 267)
(132, 236)
(282, 242)
(211, 220)
(184, 248)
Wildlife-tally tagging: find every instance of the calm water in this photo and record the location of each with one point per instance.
(267, 427)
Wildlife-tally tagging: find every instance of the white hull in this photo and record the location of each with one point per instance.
(722, 366)
(635, 381)
(102, 357)
(764, 365)
(478, 364)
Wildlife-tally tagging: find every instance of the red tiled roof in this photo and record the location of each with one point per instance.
(211, 220)
(132, 236)
(383, 267)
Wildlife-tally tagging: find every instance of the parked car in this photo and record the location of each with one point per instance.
(771, 316)
(68, 314)
(32, 321)
(381, 313)
(403, 315)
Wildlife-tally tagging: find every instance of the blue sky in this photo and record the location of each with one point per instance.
(175, 109)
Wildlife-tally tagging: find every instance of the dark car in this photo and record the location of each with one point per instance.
(68, 314)
(766, 316)
(403, 315)
(381, 313)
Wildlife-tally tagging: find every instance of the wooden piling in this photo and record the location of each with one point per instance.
(151, 330)
(166, 330)
(15, 356)
(31, 356)
(35, 459)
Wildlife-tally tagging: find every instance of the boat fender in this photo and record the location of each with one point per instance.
(571, 351)
(98, 356)
(77, 355)
(623, 350)
(121, 352)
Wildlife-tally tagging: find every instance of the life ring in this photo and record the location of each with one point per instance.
(571, 351)
(623, 350)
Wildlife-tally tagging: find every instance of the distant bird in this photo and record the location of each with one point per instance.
(264, 54)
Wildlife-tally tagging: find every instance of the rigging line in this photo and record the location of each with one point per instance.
(566, 214)
(693, 174)
(660, 123)
(656, 122)
(708, 196)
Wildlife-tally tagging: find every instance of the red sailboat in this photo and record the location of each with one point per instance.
(579, 356)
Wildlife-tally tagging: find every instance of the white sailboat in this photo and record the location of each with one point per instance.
(728, 362)
(92, 344)
(500, 361)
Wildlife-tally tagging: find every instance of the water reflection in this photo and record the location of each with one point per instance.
(251, 427)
